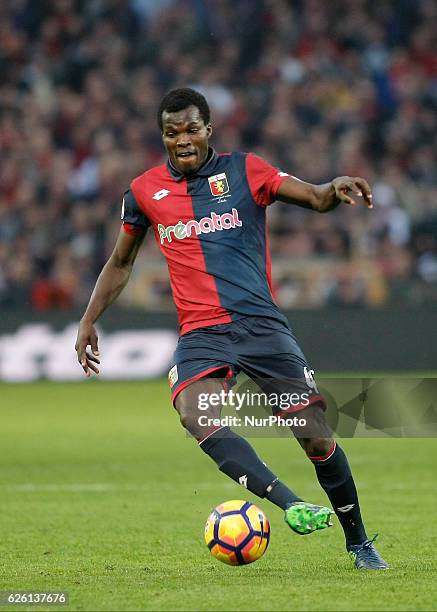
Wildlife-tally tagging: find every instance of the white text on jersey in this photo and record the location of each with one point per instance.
(213, 223)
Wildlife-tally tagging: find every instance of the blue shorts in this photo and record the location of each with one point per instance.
(264, 349)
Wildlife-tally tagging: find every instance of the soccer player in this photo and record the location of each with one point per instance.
(208, 213)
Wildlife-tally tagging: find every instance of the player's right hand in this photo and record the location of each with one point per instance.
(87, 336)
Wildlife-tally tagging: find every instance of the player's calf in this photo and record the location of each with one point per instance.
(233, 455)
(236, 458)
(334, 475)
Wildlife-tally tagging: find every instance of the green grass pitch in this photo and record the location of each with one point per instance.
(104, 496)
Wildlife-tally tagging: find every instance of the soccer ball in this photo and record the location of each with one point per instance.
(237, 532)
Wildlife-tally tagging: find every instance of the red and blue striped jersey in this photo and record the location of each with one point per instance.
(211, 228)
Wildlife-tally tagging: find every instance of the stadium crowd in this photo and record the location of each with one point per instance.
(318, 88)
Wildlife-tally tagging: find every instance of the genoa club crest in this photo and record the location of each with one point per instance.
(218, 184)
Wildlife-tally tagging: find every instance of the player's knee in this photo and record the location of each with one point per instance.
(189, 421)
(186, 413)
(187, 403)
(317, 447)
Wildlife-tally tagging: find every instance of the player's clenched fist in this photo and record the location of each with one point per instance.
(87, 336)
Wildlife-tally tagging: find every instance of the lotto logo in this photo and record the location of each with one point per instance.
(160, 194)
(309, 377)
(243, 480)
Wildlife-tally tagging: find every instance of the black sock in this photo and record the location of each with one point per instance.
(236, 458)
(335, 477)
(278, 493)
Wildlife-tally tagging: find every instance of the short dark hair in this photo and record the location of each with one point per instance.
(178, 99)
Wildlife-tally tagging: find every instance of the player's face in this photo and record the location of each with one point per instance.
(186, 137)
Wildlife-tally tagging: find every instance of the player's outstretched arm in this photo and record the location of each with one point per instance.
(112, 280)
(324, 198)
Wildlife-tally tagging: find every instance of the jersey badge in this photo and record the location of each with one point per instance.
(218, 184)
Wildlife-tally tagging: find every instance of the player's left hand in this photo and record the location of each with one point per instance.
(87, 336)
(347, 187)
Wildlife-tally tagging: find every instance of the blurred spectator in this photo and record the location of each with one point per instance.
(317, 95)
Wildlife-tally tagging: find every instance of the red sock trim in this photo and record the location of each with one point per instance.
(209, 433)
(328, 454)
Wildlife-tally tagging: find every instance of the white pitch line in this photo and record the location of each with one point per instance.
(97, 487)
(33, 488)
(100, 487)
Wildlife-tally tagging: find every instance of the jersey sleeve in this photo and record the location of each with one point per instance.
(264, 180)
(134, 220)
